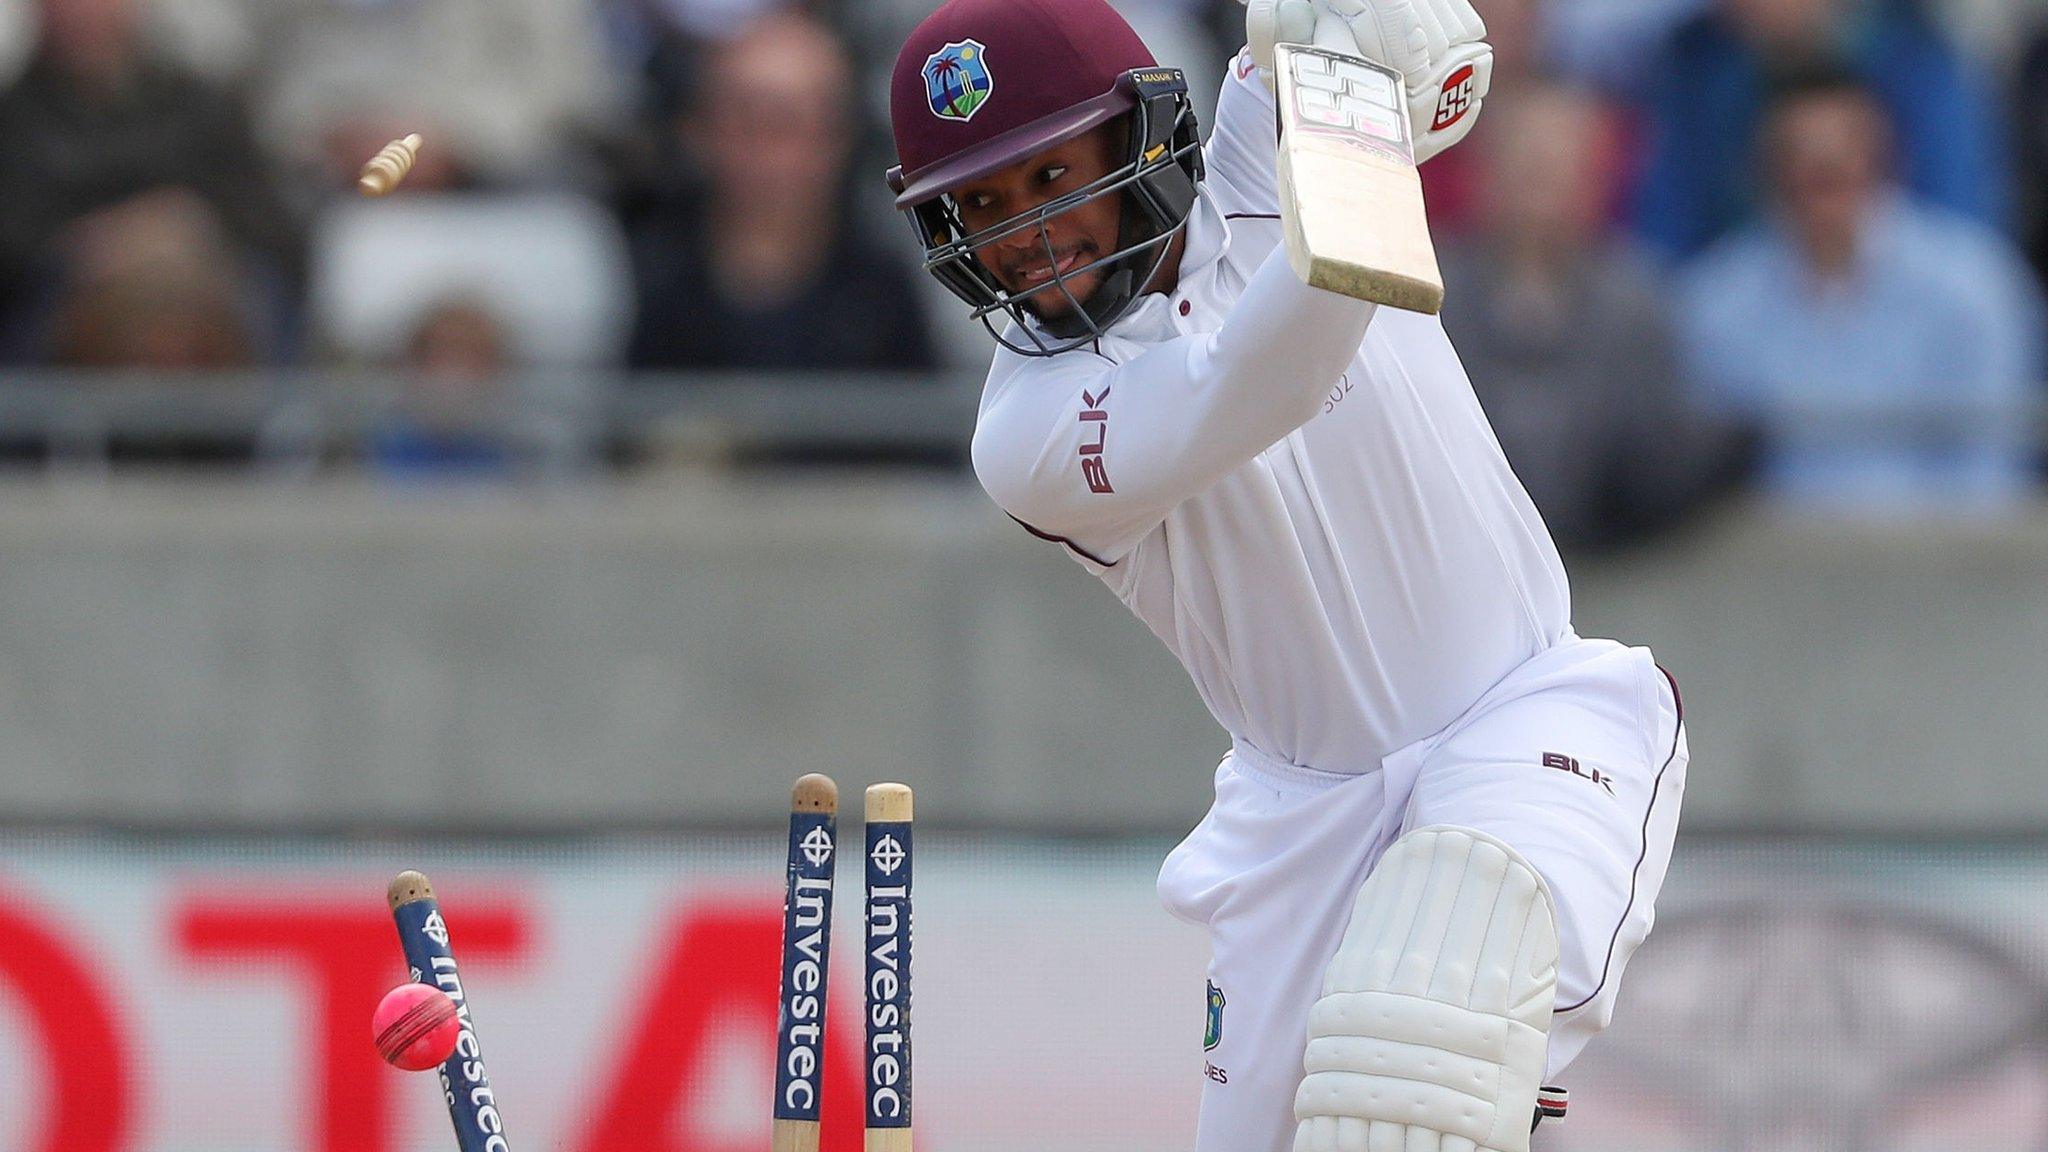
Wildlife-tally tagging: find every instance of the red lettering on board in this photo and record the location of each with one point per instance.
(719, 976)
(89, 1087)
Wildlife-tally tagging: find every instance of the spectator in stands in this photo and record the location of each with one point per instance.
(708, 19)
(1889, 346)
(2032, 115)
(451, 423)
(1455, 181)
(763, 266)
(1712, 80)
(99, 139)
(1567, 336)
(150, 283)
(505, 91)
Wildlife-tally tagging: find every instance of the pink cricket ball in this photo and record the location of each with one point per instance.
(415, 1027)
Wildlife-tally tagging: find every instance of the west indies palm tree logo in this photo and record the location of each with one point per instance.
(1212, 1035)
(957, 80)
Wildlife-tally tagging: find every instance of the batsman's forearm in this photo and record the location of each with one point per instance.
(1223, 397)
(1097, 452)
(1285, 342)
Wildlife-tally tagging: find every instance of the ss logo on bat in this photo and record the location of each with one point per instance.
(1454, 101)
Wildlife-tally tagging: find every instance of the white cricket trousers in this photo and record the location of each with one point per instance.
(1577, 759)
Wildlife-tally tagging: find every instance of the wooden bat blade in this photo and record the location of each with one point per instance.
(1350, 198)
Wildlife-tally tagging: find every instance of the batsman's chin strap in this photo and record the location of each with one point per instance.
(1550, 1105)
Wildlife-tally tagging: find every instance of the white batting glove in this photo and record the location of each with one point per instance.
(1389, 32)
(1270, 22)
(1438, 46)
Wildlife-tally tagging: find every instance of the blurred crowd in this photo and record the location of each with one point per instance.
(1693, 245)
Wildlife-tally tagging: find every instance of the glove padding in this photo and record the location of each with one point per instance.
(1436, 45)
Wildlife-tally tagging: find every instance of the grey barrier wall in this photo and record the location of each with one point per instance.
(673, 653)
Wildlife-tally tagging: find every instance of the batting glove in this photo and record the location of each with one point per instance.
(1438, 46)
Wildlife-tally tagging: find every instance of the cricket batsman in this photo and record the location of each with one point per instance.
(1445, 817)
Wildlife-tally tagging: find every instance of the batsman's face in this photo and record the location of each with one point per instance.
(1079, 236)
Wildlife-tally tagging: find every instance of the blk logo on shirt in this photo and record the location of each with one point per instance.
(1564, 763)
(1092, 467)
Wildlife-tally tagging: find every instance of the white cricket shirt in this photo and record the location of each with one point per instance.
(1296, 491)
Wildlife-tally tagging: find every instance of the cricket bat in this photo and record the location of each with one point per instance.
(1350, 197)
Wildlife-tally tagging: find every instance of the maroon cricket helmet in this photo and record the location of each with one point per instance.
(985, 84)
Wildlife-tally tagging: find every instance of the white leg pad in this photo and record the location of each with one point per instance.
(1434, 1021)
